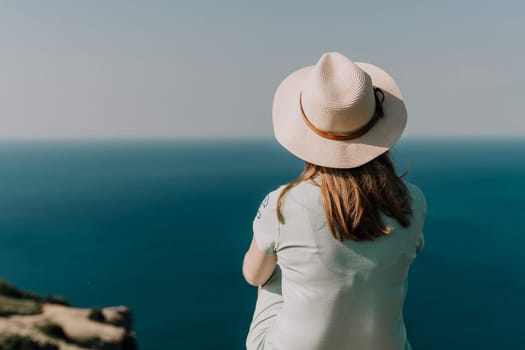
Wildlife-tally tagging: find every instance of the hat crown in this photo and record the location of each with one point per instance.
(338, 96)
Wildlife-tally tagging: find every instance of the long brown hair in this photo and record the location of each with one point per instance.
(354, 198)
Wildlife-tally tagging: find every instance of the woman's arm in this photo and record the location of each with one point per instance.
(257, 267)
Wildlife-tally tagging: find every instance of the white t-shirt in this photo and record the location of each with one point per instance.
(336, 295)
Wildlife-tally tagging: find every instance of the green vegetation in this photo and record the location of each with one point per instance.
(10, 291)
(14, 301)
(54, 330)
(95, 314)
(55, 299)
(12, 306)
(18, 342)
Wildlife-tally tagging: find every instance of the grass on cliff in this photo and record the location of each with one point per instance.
(12, 306)
(18, 342)
(9, 290)
(54, 330)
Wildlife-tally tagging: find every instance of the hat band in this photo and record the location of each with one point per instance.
(378, 114)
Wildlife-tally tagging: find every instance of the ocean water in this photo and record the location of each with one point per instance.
(162, 227)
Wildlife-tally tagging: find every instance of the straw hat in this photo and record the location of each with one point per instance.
(338, 113)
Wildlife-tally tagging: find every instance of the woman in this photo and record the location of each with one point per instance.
(331, 250)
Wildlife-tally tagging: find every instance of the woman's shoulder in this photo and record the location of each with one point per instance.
(275, 192)
(271, 197)
(304, 193)
(418, 196)
(413, 188)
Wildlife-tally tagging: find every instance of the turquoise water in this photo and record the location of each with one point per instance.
(162, 226)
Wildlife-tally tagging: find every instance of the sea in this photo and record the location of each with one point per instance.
(162, 227)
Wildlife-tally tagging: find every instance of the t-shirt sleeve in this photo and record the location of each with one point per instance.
(266, 225)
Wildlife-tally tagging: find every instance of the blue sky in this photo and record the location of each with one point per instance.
(210, 68)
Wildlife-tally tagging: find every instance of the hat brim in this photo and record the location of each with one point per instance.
(294, 135)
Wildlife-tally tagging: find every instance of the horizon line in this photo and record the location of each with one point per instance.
(494, 137)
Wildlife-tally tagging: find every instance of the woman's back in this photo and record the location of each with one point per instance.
(336, 295)
(331, 257)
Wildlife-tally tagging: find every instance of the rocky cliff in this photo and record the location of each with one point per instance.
(29, 321)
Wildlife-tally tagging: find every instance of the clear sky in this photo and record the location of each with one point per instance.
(210, 68)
